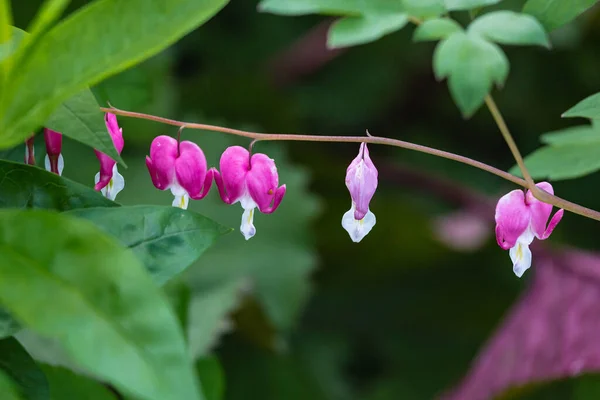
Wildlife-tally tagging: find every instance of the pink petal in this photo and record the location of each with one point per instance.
(190, 169)
(262, 181)
(161, 163)
(234, 164)
(53, 142)
(540, 211)
(512, 218)
(106, 169)
(361, 181)
(116, 133)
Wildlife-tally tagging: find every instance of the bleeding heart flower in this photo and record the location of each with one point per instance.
(251, 180)
(109, 181)
(53, 161)
(181, 168)
(361, 181)
(30, 151)
(520, 218)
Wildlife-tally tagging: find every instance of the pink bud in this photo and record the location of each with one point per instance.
(54, 160)
(361, 181)
(182, 169)
(30, 151)
(520, 218)
(251, 180)
(107, 164)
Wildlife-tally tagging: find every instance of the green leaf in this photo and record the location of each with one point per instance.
(436, 29)
(212, 377)
(351, 31)
(508, 27)
(472, 65)
(103, 38)
(555, 13)
(424, 8)
(25, 373)
(80, 118)
(8, 325)
(65, 385)
(207, 315)
(453, 5)
(586, 108)
(335, 7)
(8, 388)
(49, 12)
(573, 135)
(5, 40)
(166, 239)
(9, 48)
(567, 161)
(105, 311)
(26, 186)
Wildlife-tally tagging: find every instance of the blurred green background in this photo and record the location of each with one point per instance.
(299, 311)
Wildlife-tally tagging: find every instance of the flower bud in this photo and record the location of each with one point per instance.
(54, 160)
(109, 181)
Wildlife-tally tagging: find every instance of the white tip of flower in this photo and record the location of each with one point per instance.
(61, 164)
(182, 199)
(358, 229)
(47, 163)
(116, 184)
(521, 258)
(247, 228)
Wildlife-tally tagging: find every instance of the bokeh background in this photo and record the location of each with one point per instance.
(301, 312)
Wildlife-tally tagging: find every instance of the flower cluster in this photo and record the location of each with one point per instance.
(108, 181)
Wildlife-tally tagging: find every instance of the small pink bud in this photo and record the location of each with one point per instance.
(182, 169)
(361, 181)
(109, 181)
(520, 218)
(253, 181)
(54, 159)
(30, 151)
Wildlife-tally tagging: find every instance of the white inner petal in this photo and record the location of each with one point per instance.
(521, 258)
(115, 185)
(61, 164)
(47, 163)
(358, 229)
(182, 199)
(247, 227)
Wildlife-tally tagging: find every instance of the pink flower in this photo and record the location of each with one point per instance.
(54, 160)
(520, 218)
(361, 181)
(109, 181)
(253, 181)
(181, 168)
(30, 151)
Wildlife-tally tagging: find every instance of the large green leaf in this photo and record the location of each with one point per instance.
(424, 8)
(212, 377)
(574, 135)
(26, 186)
(65, 385)
(472, 66)
(554, 13)
(8, 325)
(586, 108)
(166, 239)
(336, 7)
(452, 5)
(6, 41)
(80, 118)
(509, 27)
(8, 388)
(93, 43)
(351, 31)
(436, 29)
(105, 310)
(25, 373)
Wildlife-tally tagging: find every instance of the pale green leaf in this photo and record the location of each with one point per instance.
(105, 310)
(563, 162)
(66, 385)
(472, 66)
(436, 29)
(555, 13)
(80, 118)
(573, 135)
(508, 27)
(25, 373)
(5, 40)
(8, 388)
(453, 5)
(166, 239)
(351, 31)
(335, 7)
(49, 12)
(586, 108)
(91, 44)
(424, 8)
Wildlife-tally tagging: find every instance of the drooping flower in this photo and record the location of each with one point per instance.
(251, 180)
(520, 218)
(30, 151)
(54, 160)
(109, 181)
(361, 181)
(181, 168)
